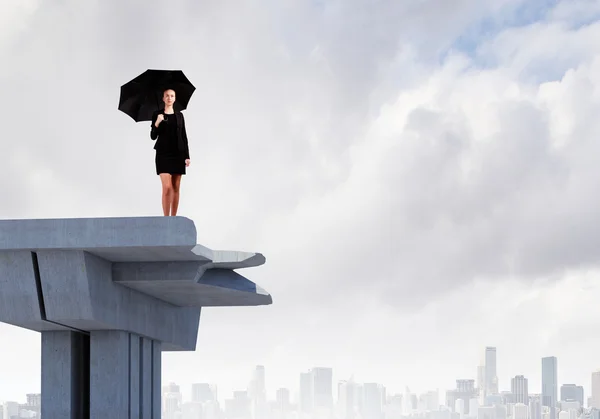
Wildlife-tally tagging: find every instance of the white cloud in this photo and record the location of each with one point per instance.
(467, 175)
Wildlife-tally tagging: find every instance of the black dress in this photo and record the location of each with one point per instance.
(169, 157)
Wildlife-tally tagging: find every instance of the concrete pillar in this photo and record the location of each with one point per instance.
(124, 376)
(65, 375)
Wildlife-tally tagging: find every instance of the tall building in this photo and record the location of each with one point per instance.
(257, 391)
(519, 390)
(490, 372)
(322, 387)
(374, 400)
(595, 390)
(570, 392)
(258, 388)
(550, 384)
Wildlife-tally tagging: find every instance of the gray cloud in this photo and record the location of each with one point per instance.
(525, 207)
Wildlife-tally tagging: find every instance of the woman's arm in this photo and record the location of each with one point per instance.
(185, 138)
(153, 128)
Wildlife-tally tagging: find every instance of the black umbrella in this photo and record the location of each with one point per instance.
(143, 95)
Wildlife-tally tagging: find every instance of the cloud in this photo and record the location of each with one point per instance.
(471, 174)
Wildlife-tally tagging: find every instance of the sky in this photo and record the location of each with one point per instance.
(422, 176)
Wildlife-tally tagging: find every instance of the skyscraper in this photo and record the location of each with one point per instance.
(322, 387)
(490, 376)
(373, 401)
(550, 384)
(257, 388)
(257, 392)
(519, 389)
(316, 390)
(258, 384)
(596, 390)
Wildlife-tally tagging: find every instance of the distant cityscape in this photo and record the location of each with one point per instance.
(478, 398)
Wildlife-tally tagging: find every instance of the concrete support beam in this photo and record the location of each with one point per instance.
(123, 376)
(65, 375)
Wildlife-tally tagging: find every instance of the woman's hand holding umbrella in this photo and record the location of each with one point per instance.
(159, 119)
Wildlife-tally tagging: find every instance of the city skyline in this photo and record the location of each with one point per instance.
(518, 384)
(319, 390)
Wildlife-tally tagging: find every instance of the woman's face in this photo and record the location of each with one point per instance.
(169, 97)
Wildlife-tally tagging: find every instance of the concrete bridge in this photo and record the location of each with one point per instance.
(108, 296)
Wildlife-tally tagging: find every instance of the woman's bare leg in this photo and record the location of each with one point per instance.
(175, 183)
(167, 192)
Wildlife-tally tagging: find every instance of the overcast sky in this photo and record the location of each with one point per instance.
(423, 176)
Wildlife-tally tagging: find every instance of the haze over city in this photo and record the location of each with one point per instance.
(422, 177)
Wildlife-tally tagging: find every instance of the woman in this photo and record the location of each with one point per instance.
(172, 151)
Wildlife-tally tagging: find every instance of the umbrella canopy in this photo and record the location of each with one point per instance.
(143, 95)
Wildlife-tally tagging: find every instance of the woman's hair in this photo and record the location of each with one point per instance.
(167, 89)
